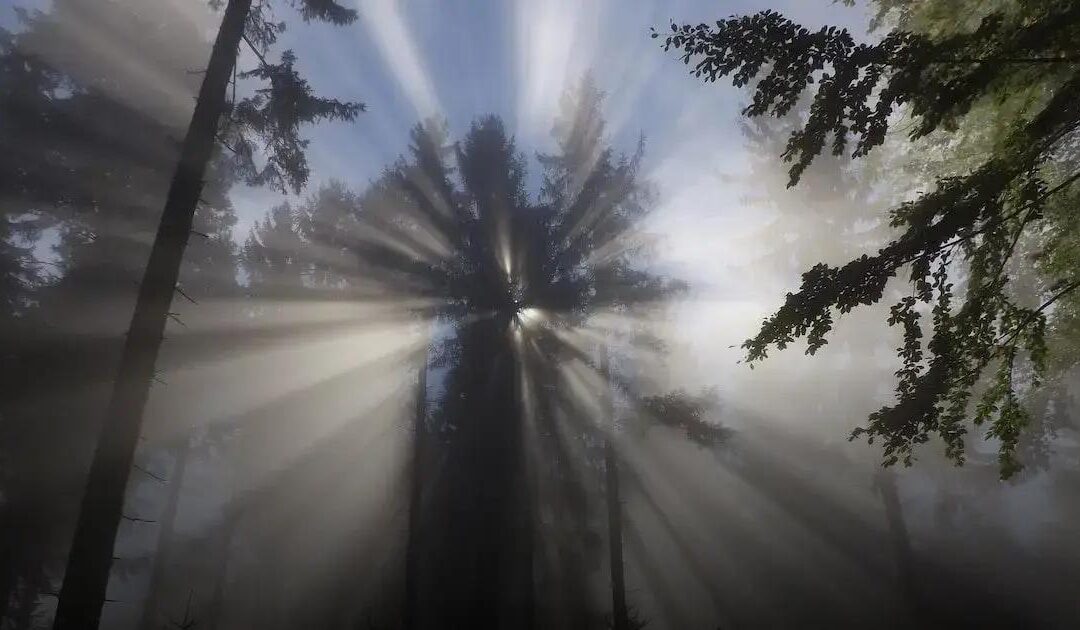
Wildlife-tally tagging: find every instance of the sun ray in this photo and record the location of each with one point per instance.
(386, 26)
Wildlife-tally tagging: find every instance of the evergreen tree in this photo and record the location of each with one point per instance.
(271, 255)
(272, 115)
(512, 278)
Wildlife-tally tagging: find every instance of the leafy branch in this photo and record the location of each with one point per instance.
(982, 215)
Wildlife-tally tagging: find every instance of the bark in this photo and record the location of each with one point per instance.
(620, 615)
(165, 538)
(416, 492)
(86, 579)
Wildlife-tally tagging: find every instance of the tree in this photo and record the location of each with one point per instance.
(26, 101)
(297, 265)
(271, 255)
(416, 501)
(1041, 256)
(512, 279)
(273, 115)
(485, 516)
(971, 221)
(93, 151)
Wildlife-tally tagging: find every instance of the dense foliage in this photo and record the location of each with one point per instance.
(962, 231)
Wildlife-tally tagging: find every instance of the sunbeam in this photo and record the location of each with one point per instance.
(413, 315)
(385, 25)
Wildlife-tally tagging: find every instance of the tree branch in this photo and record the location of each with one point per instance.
(1067, 289)
(148, 473)
(186, 296)
(255, 50)
(1056, 189)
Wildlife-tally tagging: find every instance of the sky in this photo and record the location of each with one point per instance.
(411, 59)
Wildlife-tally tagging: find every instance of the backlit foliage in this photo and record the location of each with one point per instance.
(956, 241)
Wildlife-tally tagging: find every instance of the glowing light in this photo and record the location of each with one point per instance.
(548, 31)
(398, 48)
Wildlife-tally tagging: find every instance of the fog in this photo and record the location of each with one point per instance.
(348, 427)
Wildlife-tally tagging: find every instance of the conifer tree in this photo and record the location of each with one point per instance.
(273, 116)
(91, 153)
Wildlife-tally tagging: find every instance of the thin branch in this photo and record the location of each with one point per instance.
(1067, 289)
(1016, 60)
(999, 278)
(148, 473)
(1071, 179)
(255, 50)
(227, 145)
(31, 260)
(186, 296)
(233, 101)
(134, 519)
(176, 318)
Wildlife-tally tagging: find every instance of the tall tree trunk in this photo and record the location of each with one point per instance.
(165, 537)
(620, 615)
(416, 495)
(476, 531)
(494, 459)
(87, 577)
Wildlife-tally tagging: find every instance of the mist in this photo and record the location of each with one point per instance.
(456, 327)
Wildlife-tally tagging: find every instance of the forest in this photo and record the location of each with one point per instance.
(539, 314)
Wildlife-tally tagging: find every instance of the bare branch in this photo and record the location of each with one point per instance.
(148, 473)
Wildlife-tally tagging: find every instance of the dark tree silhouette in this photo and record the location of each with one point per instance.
(273, 115)
(512, 279)
(976, 217)
(91, 153)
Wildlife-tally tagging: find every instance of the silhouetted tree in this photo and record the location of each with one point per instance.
(416, 501)
(91, 154)
(512, 279)
(272, 115)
